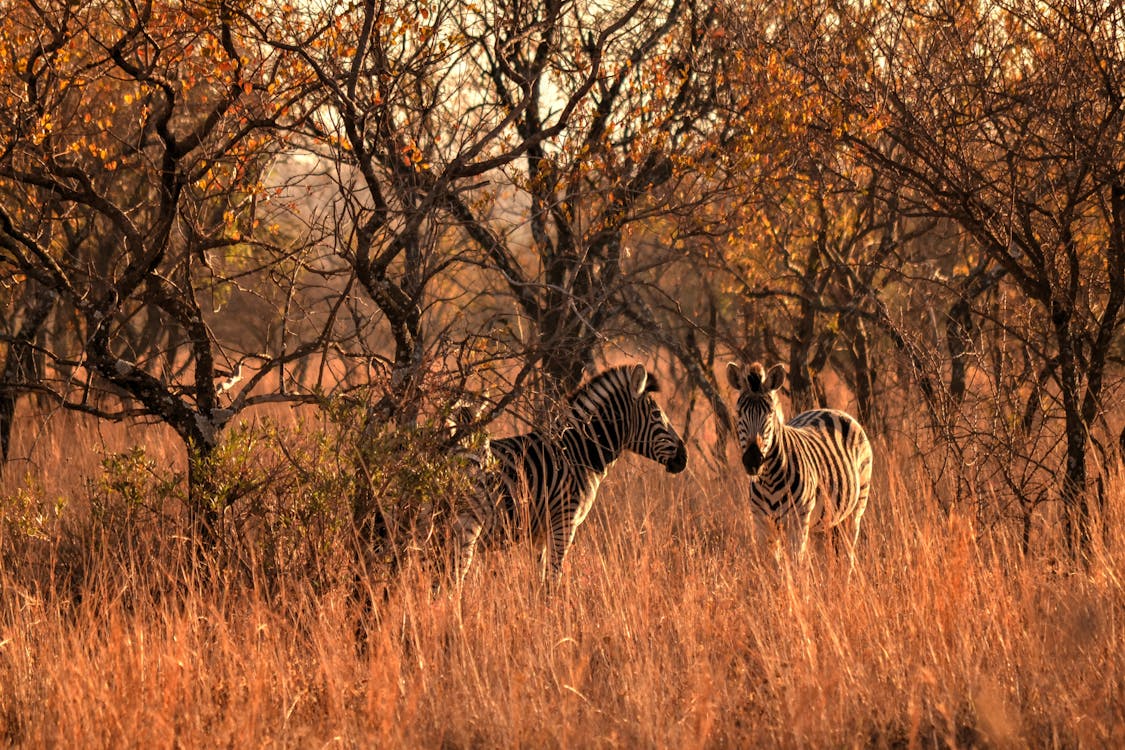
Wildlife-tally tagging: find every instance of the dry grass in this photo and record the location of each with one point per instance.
(668, 630)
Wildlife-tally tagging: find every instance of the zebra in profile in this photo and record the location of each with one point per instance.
(542, 487)
(813, 471)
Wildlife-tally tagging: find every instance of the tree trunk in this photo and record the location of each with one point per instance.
(957, 339)
(864, 378)
(19, 364)
(800, 382)
(205, 508)
(565, 362)
(1076, 514)
(1073, 495)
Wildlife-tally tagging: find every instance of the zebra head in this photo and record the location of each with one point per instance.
(618, 411)
(759, 412)
(463, 430)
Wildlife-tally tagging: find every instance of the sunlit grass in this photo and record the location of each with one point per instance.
(668, 629)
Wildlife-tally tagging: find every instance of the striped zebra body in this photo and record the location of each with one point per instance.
(542, 487)
(814, 472)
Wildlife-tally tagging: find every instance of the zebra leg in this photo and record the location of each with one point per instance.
(559, 540)
(849, 527)
(826, 541)
(470, 532)
(798, 535)
(833, 540)
(766, 535)
(849, 530)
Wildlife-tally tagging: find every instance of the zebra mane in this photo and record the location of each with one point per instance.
(582, 400)
(619, 374)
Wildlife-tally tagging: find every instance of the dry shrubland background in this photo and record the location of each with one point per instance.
(255, 255)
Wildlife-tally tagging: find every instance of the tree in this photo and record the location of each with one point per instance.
(1007, 118)
(132, 168)
(619, 109)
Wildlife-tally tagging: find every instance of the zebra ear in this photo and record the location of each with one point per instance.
(775, 378)
(734, 375)
(638, 380)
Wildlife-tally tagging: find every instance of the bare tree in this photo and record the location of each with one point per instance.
(132, 190)
(615, 107)
(1006, 118)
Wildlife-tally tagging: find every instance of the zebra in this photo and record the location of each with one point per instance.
(813, 471)
(542, 486)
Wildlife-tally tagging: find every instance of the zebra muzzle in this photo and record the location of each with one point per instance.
(752, 460)
(678, 462)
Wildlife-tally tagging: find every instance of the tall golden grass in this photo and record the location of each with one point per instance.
(668, 629)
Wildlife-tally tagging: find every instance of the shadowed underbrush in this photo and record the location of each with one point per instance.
(668, 628)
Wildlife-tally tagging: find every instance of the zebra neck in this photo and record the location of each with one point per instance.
(776, 462)
(595, 452)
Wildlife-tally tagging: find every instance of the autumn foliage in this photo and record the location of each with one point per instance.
(255, 255)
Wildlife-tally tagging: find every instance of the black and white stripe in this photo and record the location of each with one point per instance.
(814, 471)
(542, 486)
